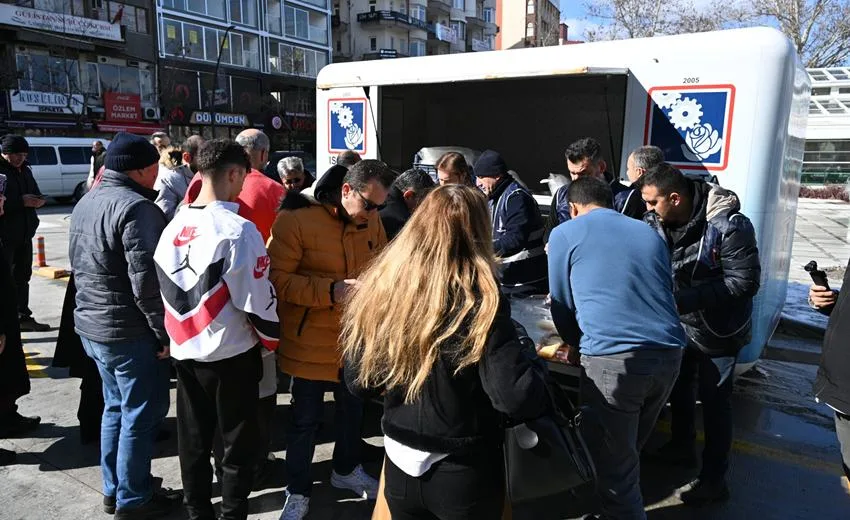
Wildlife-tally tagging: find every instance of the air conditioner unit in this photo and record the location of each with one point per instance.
(102, 59)
(151, 113)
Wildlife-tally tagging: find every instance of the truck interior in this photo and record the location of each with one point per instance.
(530, 121)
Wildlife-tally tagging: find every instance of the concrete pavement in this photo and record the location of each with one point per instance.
(784, 466)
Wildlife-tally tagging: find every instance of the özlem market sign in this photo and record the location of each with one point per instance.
(57, 22)
(122, 108)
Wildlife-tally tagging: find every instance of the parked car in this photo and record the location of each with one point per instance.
(60, 165)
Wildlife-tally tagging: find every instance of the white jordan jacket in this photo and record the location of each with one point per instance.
(213, 275)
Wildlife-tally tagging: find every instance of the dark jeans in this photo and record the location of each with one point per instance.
(700, 376)
(19, 256)
(306, 416)
(842, 429)
(468, 487)
(219, 394)
(623, 395)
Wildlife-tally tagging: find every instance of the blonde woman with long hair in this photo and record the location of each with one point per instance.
(428, 328)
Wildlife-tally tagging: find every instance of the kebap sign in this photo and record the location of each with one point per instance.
(27, 18)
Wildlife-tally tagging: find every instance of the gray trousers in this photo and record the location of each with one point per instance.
(623, 395)
(842, 429)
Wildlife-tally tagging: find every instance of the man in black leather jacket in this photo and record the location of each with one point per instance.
(716, 272)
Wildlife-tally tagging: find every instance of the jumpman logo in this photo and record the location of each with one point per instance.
(185, 264)
(272, 297)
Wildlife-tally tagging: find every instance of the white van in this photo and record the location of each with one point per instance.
(60, 165)
(732, 104)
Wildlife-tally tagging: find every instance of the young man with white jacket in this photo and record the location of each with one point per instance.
(220, 311)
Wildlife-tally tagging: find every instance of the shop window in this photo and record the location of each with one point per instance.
(193, 41)
(173, 37)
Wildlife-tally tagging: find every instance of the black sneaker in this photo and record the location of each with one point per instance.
(109, 505)
(674, 454)
(701, 492)
(16, 425)
(28, 324)
(7, 457)
(162, 503)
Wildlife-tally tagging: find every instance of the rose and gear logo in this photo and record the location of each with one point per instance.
(347, 125)
(692, 124)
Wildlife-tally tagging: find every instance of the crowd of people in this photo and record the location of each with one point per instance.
(189, 262)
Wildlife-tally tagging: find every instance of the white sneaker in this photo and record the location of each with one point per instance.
(358, 481)
(295, 508)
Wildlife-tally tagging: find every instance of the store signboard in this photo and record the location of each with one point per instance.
(46, 102)
(26, 18)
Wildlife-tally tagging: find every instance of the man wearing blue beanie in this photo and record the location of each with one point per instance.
(119, 316)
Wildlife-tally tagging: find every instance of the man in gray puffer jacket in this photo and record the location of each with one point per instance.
(173, 180)
(119, 317)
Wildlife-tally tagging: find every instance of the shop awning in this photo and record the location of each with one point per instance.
(45, 124)
(133, 128)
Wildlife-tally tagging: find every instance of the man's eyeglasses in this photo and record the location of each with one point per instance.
(368, 205)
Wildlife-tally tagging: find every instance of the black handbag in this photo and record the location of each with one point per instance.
(547, 456)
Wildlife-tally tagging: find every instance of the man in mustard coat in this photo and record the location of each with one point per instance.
(317, 250)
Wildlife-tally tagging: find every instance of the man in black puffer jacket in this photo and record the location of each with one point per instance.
(114, 232)
(716, 269)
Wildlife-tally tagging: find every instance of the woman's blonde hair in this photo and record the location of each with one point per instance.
(171, 157)
(436, 279)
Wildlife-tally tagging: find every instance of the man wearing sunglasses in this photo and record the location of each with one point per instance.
(317, 249)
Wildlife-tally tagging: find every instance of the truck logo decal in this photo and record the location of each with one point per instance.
(347, 125)
(692, 124)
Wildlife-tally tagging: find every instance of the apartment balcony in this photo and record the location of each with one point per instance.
(439, 7)
(392, 19)
(476, 21)
(476, 45)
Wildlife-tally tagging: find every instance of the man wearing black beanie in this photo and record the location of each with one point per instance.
(517, 227)
(120, 320)
(19, 222)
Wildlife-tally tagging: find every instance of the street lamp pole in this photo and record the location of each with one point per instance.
(211, 95)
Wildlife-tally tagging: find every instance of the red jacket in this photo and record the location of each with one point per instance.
(258, 201)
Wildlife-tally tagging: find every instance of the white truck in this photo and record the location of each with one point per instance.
(731, 104)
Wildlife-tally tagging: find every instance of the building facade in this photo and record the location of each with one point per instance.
(827, 155)
(380, 29)
(78, 67)
(527, 23)
(227, 65)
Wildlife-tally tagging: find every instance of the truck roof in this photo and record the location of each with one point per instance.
(610, 57)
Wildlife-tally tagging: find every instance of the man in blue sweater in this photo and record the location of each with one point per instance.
(612, 296)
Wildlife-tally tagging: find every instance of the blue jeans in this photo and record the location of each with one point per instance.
(136, 400)
(308, 406)
(623, 395)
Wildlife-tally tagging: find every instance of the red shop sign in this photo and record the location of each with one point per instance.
(122, 108)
